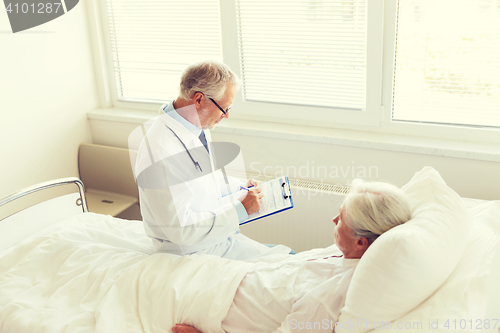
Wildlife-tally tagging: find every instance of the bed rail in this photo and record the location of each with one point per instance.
(49, 184)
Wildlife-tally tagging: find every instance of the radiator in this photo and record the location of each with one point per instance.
(308, 224)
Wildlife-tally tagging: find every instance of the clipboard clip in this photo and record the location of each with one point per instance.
(285, 190)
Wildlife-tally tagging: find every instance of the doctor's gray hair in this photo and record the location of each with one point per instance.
(208, 77)
(373, 208)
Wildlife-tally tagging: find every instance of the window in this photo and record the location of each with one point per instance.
(153, 41)
(383, 66)
(448, 66)
(299, 51)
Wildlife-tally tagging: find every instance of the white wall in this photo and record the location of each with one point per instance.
(47, 86)
(470, 178)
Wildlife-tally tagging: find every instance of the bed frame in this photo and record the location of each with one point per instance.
(82, 201)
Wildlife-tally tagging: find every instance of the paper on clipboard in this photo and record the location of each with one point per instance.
(277, 198)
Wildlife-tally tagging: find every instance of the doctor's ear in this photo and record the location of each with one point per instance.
(198, 96)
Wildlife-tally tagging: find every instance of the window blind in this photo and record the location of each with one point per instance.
(306, 52)
(152, 42)
(448, 62)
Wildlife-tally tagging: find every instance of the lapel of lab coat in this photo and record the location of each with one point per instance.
(208, 136)
(191, 141)
(213, 161)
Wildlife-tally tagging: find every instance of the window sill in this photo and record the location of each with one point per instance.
(341, 137)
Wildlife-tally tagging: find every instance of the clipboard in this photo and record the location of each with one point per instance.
(277, 198)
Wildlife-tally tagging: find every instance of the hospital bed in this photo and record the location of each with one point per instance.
(63, 269)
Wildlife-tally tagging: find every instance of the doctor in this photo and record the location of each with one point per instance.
(187, 203)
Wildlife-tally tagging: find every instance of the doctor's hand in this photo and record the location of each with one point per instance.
(252, 183)
(252, 200)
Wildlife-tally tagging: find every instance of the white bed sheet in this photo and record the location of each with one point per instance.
(98, 273)
(31, 220)
(91, 272)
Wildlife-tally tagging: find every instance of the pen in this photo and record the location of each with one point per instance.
(245, 188)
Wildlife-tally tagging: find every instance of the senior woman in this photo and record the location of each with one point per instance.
(307, 291)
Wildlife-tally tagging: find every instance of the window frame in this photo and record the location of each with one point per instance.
(299, 114)
(433, 130)
(377, 118)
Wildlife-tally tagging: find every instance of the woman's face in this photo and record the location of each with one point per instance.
(345, 239)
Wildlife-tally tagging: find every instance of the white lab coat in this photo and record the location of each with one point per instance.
(184, 210)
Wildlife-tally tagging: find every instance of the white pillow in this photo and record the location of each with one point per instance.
(408, 263)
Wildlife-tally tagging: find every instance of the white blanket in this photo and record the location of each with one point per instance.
(94, 273)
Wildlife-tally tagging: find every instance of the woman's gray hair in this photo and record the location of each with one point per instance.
(208, 77)
(373, 208)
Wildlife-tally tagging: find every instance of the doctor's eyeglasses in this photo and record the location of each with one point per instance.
(217, 105)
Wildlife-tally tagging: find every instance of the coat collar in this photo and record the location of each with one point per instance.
(185, 135)
(175, 114)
